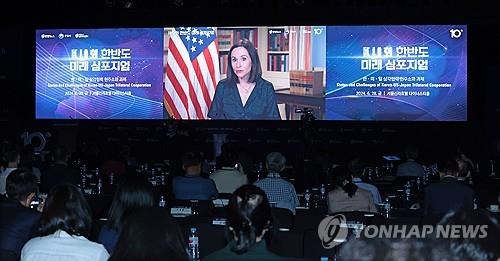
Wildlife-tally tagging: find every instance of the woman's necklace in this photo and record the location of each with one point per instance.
(245, 92)
(248, 88)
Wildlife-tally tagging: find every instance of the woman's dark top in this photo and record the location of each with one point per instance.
(258, 252)
(261, 104)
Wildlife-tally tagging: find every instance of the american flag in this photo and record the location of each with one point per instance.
(192, 72)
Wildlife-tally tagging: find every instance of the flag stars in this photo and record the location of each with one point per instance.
(188, 38)
(193, 48)
(200, 42)
(194, 39)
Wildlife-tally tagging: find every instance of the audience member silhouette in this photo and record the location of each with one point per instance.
(59, 172)
(65, 223)
(228, 177)
(12, 157)
(346, 196)
(150, 234)
(249, 222)
(357, 168)
(192, 185)
(277, 189)
(18, 222)
(411, 167)
(133, 193)
(447, 194)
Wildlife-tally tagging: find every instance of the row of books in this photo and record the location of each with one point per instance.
(306, 82)
(223, 63)
(227, 37)
(277, 40)
(278, 62)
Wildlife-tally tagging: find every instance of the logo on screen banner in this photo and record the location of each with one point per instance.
(332, 231)
(77, 36)
(318, 31)
(47, 36)
(456, 33)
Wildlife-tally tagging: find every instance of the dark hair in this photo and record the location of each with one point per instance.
(27, 155)
(448, 166)
(150, 234)
(133, 192)
(60, 153)
(11, 152)
(339, 176)
(229, 158)
(20, 183)
(65, 209)
(190, 159)
(463, 167)
(391, 249)
(476, 247)
(356, 166)
(249, 214)
(256, 70)
(411, 152)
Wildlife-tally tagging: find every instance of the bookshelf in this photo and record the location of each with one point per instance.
(278, 49)
(228, 36)
(275, 49)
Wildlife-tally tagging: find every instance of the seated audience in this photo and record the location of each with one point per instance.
(133, 193)
(410, 167)
(464, 153)
(18, 222)
(249, 222)
(228, 178)
(246, 164)
(113, 161)
(150, 234)
(346, 196)
(13, 158)
(277, 189)
(447, 194)
(59, 172)
(192, 185)
(28, 160)
(91, 154)
(64, 225)
(356, 167)
(464, 171)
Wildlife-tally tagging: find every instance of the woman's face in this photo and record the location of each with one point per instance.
(241, 63)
